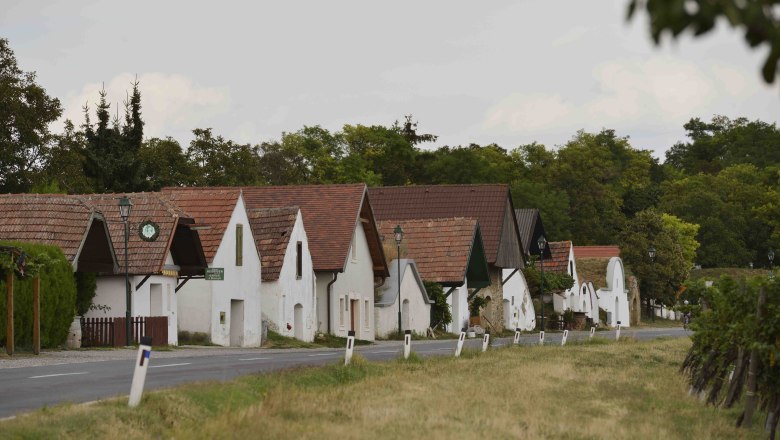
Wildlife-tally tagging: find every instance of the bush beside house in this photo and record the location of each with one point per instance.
(58, 298)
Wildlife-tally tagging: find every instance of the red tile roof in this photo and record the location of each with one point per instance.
(330, 215)
(596, 251)
(560, 257)
(211, 207)
(145, 257)
(486, 203)
(271, 229)
(52, 219)
(440, 247)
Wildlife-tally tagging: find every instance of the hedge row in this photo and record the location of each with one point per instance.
(58, 298)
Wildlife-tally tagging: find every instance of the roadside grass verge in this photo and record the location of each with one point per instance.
(275, 340)
(593, 389)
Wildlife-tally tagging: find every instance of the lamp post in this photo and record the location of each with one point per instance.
(125, 206)
(651, 254)
(542, 243)
(399, 236)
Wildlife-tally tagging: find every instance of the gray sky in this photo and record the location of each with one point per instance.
(509, 72)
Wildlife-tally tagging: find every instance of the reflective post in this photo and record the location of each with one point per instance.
(617, 332)
(350, 347)
(407, 343)
(485, 341)
(541, 337)
(592, 332)
(565, 336)
(461, 338)
(517, 336)
(139, 376)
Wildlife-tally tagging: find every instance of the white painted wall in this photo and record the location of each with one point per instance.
(572, 297)
(203, 301)
(111, 292)
(459, 307)
(280, 297)
(416, 317)
(517, 296)
(614, 298)
(356, 283)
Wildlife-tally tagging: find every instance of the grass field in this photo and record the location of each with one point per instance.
(623, 390)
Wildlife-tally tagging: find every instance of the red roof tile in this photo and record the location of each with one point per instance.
(271, 229)
(330, 214)
(596, 251)
(211, 207)
(440, 247)
(145, 257)
(560, 257)
(486, 203)
(52, 219)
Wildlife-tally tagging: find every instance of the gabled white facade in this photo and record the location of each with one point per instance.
(154, 297)
(518, 307)
(290, 303)
(228, 311)
(351, 305)
(415, 305)
(571, 298)
(614, 298)
(458, 300)
(590, 301)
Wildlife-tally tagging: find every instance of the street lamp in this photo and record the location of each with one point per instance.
(542, 243)
(399, 237)
(125, 206)
(651, 254)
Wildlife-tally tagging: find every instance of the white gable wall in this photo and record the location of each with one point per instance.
(458, 301)
(416, 315)
(240, 290)
(280, 297)
(351, 295)
(518, 306)
(614, 298)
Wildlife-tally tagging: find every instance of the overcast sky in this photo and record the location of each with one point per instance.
(509, 72)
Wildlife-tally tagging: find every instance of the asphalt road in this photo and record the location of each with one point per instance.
(28, 388)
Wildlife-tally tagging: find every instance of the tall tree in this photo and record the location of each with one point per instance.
(112, 149)
(25, 114)
(164, 164)
(220, 162)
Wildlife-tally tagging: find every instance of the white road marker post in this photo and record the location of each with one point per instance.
(139, 376)
(617, 332)
(407, 343)
(517, 336)
(350, 347)
(461, 338)
(541, 337)
(563, 339)
(485, 341)
(592, 332)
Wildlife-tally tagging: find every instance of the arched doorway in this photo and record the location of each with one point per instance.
(298, 321)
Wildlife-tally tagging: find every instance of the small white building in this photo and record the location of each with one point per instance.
(448, 251)
(614, 298)
(603, 270)
(289, 295)
(225, 304)
(155, 267)
(562, 261)
(345, 248)
(415, 305)
(518, 307)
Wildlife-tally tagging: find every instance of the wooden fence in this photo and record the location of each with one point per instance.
(110, 332)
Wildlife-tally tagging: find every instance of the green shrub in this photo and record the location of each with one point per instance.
(58, 298)
(86, 287)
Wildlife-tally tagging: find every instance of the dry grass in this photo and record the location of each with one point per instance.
(625, 390)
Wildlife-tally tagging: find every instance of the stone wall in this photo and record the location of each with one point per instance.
(634, 301)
